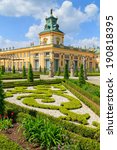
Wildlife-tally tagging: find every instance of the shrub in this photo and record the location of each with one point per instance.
(13, 69)
(2, 96)
(40, 70)
(81, 76)
(83, 130)
(76, 72)
(24, 72)
(85, 100)
(30, 73)
(58, 72)
(42, 131)
(2, 70)
(45, 70)
(90, 91)
(66, 72)
(32, 102)
(5, 123)
(71, 116)
(36, 82)
(8, 94)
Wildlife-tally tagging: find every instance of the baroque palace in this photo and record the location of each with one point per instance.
(50, 53)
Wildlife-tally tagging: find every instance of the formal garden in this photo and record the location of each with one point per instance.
(56, 114)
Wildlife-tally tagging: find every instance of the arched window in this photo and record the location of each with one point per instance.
(45, 41)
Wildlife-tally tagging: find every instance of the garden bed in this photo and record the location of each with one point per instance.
(54, 100)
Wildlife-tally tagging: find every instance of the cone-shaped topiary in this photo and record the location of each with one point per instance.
(66, 72)
(24, 72)
(30, 73)
(81, 76)
(2, 104)
(13, 69)
(58, 72)
(76, 72)
(2, 70)
(40, 70)
(45, 70)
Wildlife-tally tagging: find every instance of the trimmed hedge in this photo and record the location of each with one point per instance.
(32, 102)
(94, 107)
(79, 129)
(34, 83)
(70, 138)
(93, 74)
(64, 108)
(95, 99)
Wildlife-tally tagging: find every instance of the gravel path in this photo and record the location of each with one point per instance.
(58, 101)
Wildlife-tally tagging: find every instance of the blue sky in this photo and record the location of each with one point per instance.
(22, 20)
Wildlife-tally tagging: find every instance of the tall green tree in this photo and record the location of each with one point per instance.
(66, 72)
(58, 72)
(30, 73)
(76, 72)
(81, 76)
(13, 69)
(2, 69)
(40, 70)
(45, 70)
(2, 104)
(24, 72)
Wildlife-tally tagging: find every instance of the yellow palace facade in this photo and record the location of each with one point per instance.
(50, 52)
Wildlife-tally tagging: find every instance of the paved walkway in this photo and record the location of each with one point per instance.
(91, 79)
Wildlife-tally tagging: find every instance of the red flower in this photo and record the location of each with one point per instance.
(0, 116)
(12, 113)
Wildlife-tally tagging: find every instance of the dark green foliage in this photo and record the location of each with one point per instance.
(79, 129)
(93, 74)
(81, 76)
(24, 72)
(78, 93)
(9, 75)
(5, 124)
(40, 70)
(2, 70)
(76, 72)
(25, 83)
(2, 105)
(13, 69)
(42, 131)
(45, 70)
(30, 73)
(6, 144)
(89, 90)
(59, 71)
(66, 72)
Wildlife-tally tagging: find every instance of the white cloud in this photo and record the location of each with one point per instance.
(69, 18)
(6, 43)
(33, 32)
(17, 8)
(87, 42)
